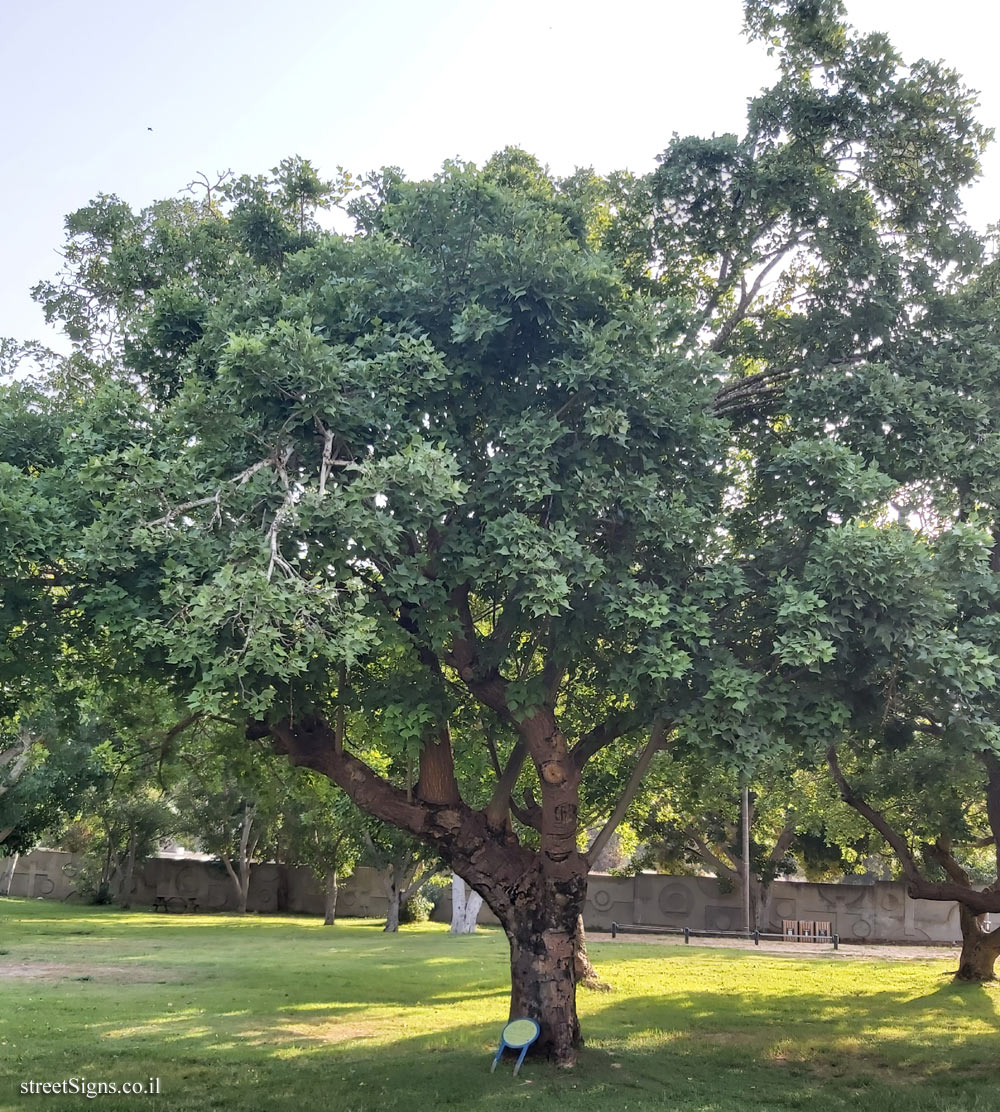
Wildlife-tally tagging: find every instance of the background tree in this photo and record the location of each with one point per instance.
(49, 771)
(405, 866)
(466, 903)
(691, 820)
(15, 755)
(322, 830)
(920, 764)
(228, 801)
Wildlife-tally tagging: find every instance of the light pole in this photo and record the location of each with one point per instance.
(746, 859)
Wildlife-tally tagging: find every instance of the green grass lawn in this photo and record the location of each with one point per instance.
(281, 1013)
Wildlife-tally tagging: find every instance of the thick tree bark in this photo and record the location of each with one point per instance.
(541, 926)
(537, 896)
(980, 949)
(330, 899)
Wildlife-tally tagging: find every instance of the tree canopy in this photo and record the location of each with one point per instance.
(475, 509)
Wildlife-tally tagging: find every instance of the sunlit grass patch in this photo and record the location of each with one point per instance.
(280, 1013)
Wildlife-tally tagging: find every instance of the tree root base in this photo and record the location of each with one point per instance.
(595, 984)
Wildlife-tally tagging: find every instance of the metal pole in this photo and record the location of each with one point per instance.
(746, 859)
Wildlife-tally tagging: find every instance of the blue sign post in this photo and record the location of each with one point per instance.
(518, 1034)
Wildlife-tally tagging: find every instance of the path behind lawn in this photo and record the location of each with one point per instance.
(285, 1015)
(851, 951)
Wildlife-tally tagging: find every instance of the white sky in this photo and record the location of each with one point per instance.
(242, 83)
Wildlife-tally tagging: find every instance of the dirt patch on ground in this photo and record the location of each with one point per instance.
(82, 971)
(847, 951)
(330, 1032)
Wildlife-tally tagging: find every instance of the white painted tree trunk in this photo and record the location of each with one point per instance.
(465, 905)
(9, 877)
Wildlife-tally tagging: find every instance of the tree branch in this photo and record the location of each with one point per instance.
(656, 741)
(709, 856)
(499, 804)
(612, 728)
(785, 839)
(877, 819)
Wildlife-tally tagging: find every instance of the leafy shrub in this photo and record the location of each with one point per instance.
(416, 910)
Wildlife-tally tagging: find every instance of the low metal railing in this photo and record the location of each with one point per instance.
(693, 932)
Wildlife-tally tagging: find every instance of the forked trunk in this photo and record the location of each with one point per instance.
(330, 899)
(241, 882)
(980, 949)
(538, 895)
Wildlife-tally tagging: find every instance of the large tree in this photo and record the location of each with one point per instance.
(462, 464)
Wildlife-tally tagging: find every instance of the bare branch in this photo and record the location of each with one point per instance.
(238, 480)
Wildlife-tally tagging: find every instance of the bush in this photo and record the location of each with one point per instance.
(416, 910)
(87, 884)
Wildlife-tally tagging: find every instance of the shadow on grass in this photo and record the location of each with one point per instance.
(292, 1016)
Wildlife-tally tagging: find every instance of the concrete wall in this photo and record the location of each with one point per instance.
(48, 874)
(857, 912)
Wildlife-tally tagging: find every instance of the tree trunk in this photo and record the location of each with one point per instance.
(392, 913)
(538, 895)
(125, 888)
(465, 905)
(107, 867)
(542, 933)
(760, 904)
(980, 949)
(241, 889)
(330, 899)
(281, 889)
(246, 854)
(9, 879)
